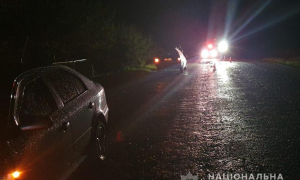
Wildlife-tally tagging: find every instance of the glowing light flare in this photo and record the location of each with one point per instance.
(270, 23)
(213, 53)
(156, 60)
(204, 53)
(16, 174)
(223, 46)
(231, 10)
(253, 16)
(210, 46)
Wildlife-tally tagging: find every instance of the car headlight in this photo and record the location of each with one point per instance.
(156, 60)
(223, 46)
(16, 174)
(204, 53)
(12, 176)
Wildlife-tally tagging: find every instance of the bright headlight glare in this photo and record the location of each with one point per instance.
(16, 174)
(204, 53)
(156, 60)
(213, 53)
(223, 46)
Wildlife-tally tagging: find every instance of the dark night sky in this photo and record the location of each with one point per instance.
(265, 27)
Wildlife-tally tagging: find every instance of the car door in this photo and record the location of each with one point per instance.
(77, 104)
(47, 150)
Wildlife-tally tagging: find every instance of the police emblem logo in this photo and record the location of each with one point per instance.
(189, 176)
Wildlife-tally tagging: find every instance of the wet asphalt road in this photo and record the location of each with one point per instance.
(242, 118)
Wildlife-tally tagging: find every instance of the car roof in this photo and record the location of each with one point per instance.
(42, 69)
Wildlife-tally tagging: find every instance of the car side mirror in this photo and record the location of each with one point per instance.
(32, 122)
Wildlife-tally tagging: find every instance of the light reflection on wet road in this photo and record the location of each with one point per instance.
(243, 118)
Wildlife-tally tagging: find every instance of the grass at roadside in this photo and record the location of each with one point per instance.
(147, 67)
(115, 79)
(293, 62)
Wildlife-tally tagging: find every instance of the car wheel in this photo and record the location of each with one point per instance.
(99, 144)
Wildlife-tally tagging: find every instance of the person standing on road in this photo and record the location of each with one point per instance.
(182, 59)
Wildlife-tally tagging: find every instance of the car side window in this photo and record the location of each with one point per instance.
(62, 85)
(79, 85)
(37, 100)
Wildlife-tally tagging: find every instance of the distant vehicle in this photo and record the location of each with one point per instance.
(170, 59)
(55, 116)
(213, 51)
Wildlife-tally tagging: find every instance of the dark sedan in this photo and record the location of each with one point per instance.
(56, 116)
(173, 59)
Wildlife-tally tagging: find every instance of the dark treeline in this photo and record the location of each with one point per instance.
(289, 53)
(42, 32)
